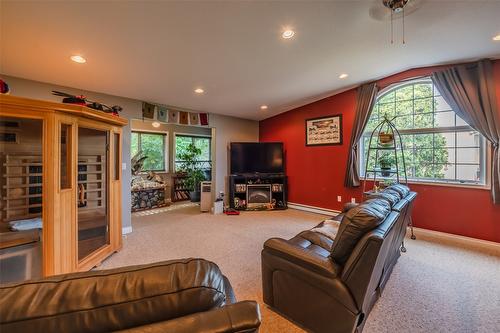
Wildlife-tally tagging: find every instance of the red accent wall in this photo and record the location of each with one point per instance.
(316, 174)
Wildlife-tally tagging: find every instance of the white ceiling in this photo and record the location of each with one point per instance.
(160, 51)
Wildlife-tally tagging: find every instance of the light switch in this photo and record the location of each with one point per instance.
(339, 198)
(124, 166)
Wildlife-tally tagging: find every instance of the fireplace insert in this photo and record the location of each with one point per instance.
(258, 195)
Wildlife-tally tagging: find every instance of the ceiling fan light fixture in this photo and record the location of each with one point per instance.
(395, 5)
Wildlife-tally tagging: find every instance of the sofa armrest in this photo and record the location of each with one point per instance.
(238, 317)
(348, 206)
(304, 257)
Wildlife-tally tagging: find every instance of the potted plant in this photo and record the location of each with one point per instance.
(385, 162)
(191, 167)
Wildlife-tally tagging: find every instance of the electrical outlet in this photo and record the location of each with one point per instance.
(339, 198)
(353, 200)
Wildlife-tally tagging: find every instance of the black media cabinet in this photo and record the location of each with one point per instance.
(261, 191)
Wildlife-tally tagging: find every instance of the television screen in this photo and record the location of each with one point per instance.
(252, 157)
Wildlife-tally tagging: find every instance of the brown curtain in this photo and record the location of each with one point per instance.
(366, 99)
(470, 91)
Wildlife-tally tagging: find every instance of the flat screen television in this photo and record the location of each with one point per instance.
(255, 157)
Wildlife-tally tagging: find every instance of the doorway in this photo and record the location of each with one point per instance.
(163, 171)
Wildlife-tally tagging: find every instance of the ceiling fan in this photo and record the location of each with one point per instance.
(384, 10)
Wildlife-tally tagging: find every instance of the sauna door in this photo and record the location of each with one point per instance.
(92, 191)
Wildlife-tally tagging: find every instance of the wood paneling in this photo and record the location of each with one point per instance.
(59, 207)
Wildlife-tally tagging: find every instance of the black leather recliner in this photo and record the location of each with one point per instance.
(182, 296)
(328, 280)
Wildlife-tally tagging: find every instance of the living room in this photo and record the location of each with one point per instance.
(274, 166)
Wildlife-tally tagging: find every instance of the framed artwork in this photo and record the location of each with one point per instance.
(324, 131)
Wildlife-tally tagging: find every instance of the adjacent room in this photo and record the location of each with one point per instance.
(250, 166)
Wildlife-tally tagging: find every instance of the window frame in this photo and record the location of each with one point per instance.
(191, 135)
(484, 145)
(165, 148)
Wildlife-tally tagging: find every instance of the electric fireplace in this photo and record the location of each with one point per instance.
(258, 195)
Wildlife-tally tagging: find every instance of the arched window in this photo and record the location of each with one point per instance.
(438, 145)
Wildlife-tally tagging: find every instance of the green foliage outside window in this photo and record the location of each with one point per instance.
(152, 145)
(182, 146)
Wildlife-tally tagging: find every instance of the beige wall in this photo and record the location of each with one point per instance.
(227, 129)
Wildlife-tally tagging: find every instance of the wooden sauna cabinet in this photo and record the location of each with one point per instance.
(70, 178)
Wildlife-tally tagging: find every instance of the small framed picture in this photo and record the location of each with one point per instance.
(324, 131)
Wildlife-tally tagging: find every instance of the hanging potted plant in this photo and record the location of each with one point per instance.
(385, 162)
(191, 167)
(386, 138)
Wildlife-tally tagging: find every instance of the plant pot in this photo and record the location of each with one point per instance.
(195, 196)
(385, 138)
(386, 172)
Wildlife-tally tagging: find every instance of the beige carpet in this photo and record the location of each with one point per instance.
(435, 287)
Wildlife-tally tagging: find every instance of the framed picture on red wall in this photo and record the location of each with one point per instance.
(324, 131)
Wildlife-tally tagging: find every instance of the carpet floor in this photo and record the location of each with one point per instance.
(435, 287)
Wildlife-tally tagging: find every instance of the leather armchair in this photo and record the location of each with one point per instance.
(189, 295)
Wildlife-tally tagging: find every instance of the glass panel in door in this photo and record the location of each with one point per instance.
(21, 172)
(92, 197)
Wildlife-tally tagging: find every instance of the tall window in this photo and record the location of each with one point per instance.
(152, 145)
(182, 141)
(438, 145)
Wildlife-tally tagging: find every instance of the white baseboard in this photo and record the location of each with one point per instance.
(457, 239)
(126, 230)
(313, 209)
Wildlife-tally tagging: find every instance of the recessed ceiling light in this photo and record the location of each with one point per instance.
(263, 107)
(199, 91)
(156, 124)
(343, 76)
(496, 38)
(288, 34)
(78, 58)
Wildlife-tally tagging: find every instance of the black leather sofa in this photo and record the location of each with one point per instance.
(182, 296)
(327, 279)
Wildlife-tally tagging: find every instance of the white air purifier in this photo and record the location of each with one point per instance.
(206, 196)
